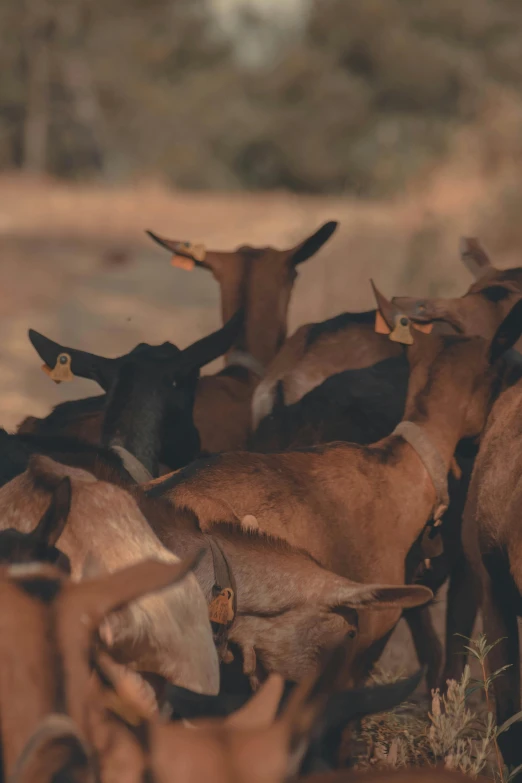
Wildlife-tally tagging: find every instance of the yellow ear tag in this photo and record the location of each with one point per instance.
(381, 327)
(401, 332)
(188, 255)
(62, 369)
(221, 609)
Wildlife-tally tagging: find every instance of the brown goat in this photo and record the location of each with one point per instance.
(169, 635)
(261, 281)
(493, 544)
(284, 617)
(47, 632)
(349, 341)
(357, 509)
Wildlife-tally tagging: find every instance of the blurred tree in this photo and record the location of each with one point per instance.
(360, 98)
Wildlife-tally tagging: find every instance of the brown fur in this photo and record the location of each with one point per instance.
(48, 626)
(286, 616)
(260, 280)
(493, 544)
(356, 509)
(301, 365)
(167, 634)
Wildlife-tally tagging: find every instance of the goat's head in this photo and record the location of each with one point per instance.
(471, 363)
(151, 391)
(260, 279)
(40, 544)
(483, 306)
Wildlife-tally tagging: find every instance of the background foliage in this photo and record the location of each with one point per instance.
(360, 99)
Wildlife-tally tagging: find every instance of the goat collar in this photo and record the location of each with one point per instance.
(132, 465)
(432, 461)
(223, 607)
(237, 358)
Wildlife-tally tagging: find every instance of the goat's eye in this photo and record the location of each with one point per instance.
(496, 293)
(352, 634)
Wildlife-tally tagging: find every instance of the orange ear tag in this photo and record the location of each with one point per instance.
(426, 328)
(221, 609)
(189, 255)
(183, 263)
(401, 331)
(61, 371)
(381, 327)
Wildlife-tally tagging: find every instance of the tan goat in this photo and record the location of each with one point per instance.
(349, 341)
(167, 634)
(358, 509)
(288, 608)
(48, 626)
(261, 281)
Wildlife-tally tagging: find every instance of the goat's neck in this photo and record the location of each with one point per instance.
(134, 418)
(441, 414)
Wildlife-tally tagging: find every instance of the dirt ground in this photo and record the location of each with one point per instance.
(77, 266)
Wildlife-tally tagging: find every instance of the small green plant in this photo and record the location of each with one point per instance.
(452, 733)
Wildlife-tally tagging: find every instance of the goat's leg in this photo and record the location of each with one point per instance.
(426, 642)
(500, 623)
(461, 613)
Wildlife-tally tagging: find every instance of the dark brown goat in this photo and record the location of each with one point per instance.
(349, 341)
(493, 544)
(358, 510)
(155, 380)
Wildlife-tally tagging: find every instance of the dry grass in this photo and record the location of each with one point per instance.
(457, 731)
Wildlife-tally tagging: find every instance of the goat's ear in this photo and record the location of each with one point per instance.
(212, 346)
(310, 246)
(185, 255)
(377, 596)
(507, 333)
(55, 751)
(474, 257)
(260, 711)
(83, 364)
(109, 593)
(51, 525)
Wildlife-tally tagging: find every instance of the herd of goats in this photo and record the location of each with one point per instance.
(199, 573)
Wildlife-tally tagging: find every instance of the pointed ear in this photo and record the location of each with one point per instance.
(507, 333)
(185, 255)
(387, 309)
(260, 711)
(99, 597)
(310, 246)
(55, 751)
(51, 525)
(83, 364)
(474, 257)
(375, 596)
(212, 346)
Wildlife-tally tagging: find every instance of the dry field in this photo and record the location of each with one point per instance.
(76, 265)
